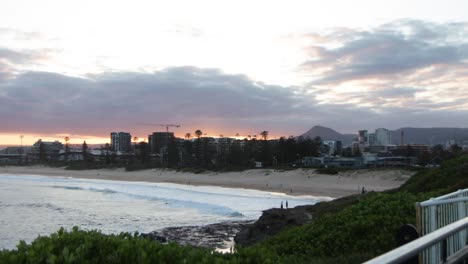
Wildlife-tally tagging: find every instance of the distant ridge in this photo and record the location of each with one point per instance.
(326, 133)
(430, 136)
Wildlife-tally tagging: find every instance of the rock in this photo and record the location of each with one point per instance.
(219, 235)
(275, 220)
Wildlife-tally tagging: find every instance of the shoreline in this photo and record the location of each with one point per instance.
(294, 182)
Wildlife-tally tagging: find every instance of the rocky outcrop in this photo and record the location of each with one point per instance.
(219, 235)
(272, 221)
(275, 220)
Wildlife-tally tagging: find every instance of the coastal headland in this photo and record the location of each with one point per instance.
(293, 182)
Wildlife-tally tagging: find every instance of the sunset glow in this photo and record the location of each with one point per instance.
(226, 68)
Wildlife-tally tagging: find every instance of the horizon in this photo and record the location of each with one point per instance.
(281, 68)
(29, 141)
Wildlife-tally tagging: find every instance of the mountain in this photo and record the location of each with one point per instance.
(430, 136)
(326, 133)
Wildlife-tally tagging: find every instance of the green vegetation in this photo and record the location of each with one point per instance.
(362, 230)
(79, 246)
(359, 229)
(327, 170)
(451, 176)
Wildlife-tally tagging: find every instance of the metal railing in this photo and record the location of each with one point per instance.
(437, 213)
(411, 249)
(442, 223)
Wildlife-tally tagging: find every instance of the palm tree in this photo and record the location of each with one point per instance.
(198, 133)
(67, 147)
(264, 134)
(188, 135)
(135, 140)
(237, 134)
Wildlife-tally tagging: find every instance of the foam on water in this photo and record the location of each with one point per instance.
(32, 205)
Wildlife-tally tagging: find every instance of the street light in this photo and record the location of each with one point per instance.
(22, 151)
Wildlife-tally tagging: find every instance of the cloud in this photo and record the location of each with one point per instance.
(19, 35)
(54, 103)
(198, 98)
(404, 73)
(12, 60)
(405, 63)
(386, 51)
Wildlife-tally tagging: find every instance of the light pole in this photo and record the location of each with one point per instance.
(22, 151)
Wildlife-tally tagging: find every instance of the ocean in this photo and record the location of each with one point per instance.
(33, 205)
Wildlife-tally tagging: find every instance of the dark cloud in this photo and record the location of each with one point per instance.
(11, 59)
(206, 99)
(393, 49)
(47, 102)
(405, 73)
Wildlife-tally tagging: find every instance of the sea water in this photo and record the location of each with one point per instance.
(32, 205)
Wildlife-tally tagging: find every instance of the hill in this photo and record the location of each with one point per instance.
(326, 133)
(430, 136)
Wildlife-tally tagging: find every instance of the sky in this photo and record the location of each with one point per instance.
(83, 69)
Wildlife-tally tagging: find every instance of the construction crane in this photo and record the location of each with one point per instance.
(161, 125)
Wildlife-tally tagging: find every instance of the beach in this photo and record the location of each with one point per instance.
(292, 182)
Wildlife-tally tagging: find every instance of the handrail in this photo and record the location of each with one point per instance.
(446, 201)
(411, 249)
(450, 194)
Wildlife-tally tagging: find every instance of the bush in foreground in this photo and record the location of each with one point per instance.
(78, 246)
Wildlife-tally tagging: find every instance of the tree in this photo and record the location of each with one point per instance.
(265, 154)
(67, 148)
(188, 135)
(455, 149)
(198, 148)
(84, 151)
(198, 133)
(135, 141)
(108, 156)
(42, 151)
(187, 153)
(234, 157)
(173, 157)
(143, 152)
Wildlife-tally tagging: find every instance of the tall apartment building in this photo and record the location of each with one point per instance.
(159, 141)
(363, 137)
(121, 141)
(383, 137)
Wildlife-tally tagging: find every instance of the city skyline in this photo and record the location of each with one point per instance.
(238, 67)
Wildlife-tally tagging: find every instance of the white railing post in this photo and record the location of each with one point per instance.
(461, 215)
(434, 250)
(438, 212)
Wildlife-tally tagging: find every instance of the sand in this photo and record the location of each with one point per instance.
(294, 182)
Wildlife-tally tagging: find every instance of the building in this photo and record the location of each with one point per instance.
(48, 150)
(223, 145)
(371, 139)
(336, 162)
(121, 141)
(363, 137)
(383, 137)
(159, 141)
(332, 147)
